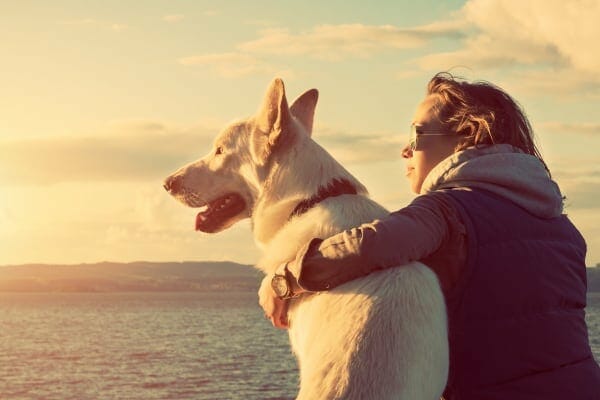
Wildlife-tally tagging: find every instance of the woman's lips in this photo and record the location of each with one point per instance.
(409, 170)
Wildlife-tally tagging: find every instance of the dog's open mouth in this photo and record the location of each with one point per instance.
(219, 212)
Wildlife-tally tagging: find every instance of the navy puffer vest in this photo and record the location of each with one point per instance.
(516, 319)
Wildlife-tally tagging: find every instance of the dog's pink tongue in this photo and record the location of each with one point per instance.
(200, 218)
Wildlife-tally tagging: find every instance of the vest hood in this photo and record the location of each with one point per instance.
(502, 169)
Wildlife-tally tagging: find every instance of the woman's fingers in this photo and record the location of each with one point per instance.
(279, 318)
(275, 309)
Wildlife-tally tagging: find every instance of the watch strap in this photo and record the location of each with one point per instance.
(283, 272)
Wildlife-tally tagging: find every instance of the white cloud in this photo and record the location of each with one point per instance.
(113, 26)
(582, 192)
(131, 151)
(553, 40)
(235, 65)
(351, 148)
(260, 22)
(139, 150)
(584, 196)
(542, 45)
(324, 42)
(565, 81)
(582, 128)
(6, 218)
(94, 221)
(172, 18)
(82, 21)
(337, 42)
(154, 210)
(119, 27)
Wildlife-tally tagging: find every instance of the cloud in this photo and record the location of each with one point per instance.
(566, 81)
(6, 217)
(82, 21)
(338, 42)
(119, 27)
(553, 41)
(172, 18)
(351, 148)
(583, 194)
(543, 46)
(116, 27)
(260, 22)
(581, 128)
(324, 42)
(577, 175)
(580, 182)
(235, 65)
(500, 35)
(150, 150)
(133, 151)
(76, 222)
(154, 211)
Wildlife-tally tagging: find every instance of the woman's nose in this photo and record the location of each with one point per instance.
(407, 152)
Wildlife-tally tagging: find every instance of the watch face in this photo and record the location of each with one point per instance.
(279, 285)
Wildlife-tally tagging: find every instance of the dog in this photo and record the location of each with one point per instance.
(382, 336)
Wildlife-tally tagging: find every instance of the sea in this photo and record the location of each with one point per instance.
(152, 345)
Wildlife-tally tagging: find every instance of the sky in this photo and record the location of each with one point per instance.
(100, 101)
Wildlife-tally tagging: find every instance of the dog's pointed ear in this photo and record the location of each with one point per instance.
(303, 108)
(272, 120)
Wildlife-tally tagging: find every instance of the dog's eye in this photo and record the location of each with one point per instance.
(219, 151)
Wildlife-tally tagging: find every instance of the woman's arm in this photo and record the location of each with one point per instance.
(412, 233)
(408, 234)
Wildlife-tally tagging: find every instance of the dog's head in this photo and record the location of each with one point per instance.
(228, 180)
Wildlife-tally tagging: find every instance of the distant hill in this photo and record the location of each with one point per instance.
(129, 277)
(148, 276)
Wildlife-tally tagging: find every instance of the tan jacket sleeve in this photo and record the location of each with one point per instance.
(408, 234)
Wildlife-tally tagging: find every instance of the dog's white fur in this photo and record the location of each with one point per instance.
(382, 336)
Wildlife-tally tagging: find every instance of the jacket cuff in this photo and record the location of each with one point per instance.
(296, 270)
(291, 277)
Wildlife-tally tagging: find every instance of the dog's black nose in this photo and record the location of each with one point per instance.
(172, 184)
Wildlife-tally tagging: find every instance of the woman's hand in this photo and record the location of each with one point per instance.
(275, 308)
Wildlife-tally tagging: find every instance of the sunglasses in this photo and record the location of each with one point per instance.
(417, 130)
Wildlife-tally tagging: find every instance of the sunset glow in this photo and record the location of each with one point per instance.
(100, 102)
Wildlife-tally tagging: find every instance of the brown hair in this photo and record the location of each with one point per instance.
(481, 113)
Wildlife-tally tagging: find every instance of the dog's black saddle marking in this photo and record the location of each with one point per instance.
(337, 187)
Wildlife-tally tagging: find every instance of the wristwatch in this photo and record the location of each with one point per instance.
(282, 284)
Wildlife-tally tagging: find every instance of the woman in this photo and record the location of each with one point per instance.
(489, 222)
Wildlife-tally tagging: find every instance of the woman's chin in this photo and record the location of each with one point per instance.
(415, 184)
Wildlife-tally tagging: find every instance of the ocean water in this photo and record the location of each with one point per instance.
(141, 346)
(151, 346)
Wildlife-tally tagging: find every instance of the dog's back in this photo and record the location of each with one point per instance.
(382, 336)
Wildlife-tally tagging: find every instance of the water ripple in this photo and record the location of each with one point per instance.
(152, 346)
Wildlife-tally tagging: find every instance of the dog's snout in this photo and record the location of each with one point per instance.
(172, 184)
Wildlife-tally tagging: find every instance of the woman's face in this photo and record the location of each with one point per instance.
(430, 149)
